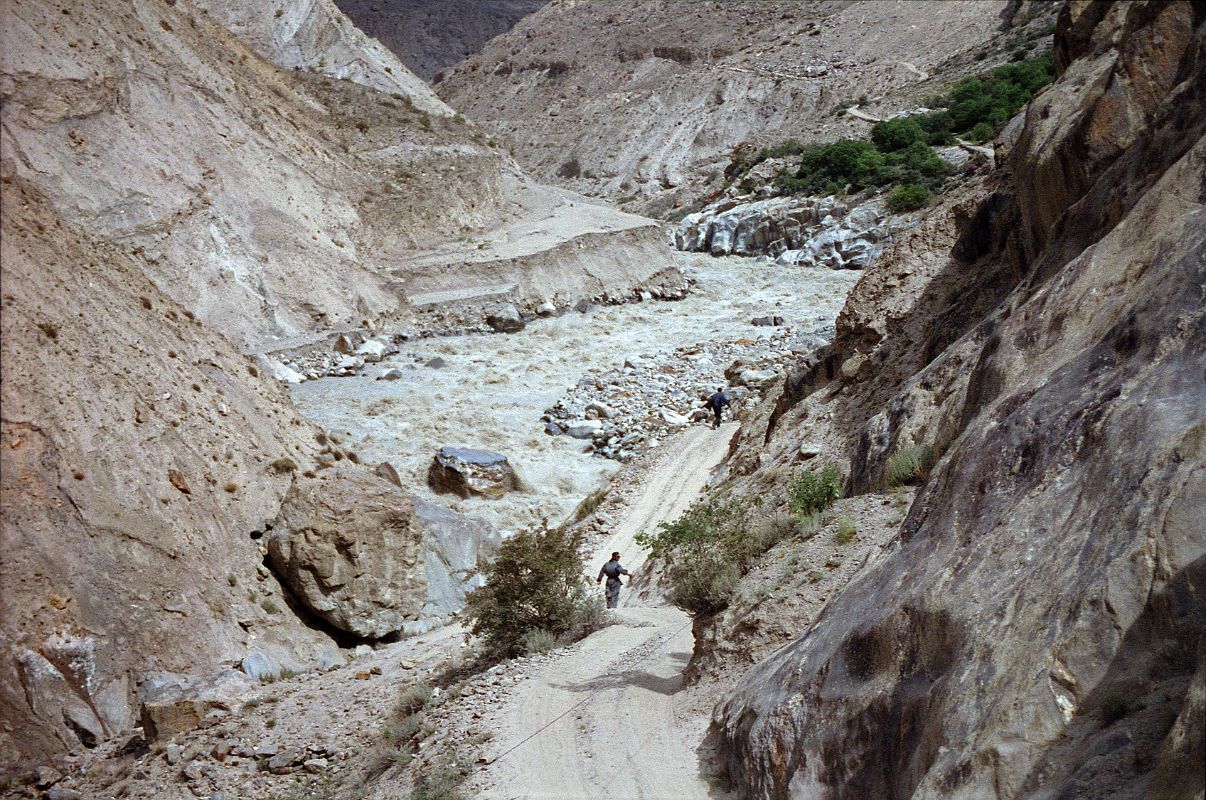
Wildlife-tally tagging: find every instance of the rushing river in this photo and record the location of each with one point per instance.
(494, 388)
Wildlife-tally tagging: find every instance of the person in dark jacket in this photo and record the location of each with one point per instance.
(612, 571)
(717, 402)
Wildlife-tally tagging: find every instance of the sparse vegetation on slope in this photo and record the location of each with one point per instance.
(709, 548)
(534, 590)
(900, 152)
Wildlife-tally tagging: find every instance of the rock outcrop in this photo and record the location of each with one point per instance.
(431, 35)
(805, 231)
(1035, 629)
(346, 548)
(455, 548)
(139, 452)
(464, 471)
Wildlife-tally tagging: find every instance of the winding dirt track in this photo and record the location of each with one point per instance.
(609, 702)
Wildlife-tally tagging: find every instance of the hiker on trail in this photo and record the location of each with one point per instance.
(717, 402)
(612, 571)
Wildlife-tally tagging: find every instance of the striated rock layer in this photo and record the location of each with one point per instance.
(1035, 631)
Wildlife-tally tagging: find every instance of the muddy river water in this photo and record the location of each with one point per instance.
(492, 389)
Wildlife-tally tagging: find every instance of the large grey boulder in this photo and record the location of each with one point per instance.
(467, 472)
(346, 547)
(172, 704)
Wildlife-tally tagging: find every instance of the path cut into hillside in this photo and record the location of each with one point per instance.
(603, 718)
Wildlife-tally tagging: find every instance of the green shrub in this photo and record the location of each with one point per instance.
(706, 551)
(982, 132)
(541, 641)
(897, 134)
(535, 583)
(994, 98)
(846, 531)
(908, 197)
(937, 126)
(917, 163)
(908, 465)
(812, 492)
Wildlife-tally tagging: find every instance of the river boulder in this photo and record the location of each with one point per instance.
(467, 472)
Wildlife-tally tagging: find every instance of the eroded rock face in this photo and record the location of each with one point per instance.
(1036, 630)
(800, 231)
(346, 546)
(464, 472)
(453, 544)
(126, 509)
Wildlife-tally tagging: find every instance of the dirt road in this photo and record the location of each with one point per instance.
(603, 718)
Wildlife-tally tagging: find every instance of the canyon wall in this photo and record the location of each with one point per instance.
(1034, 629)
(431, 35)
(186, 185)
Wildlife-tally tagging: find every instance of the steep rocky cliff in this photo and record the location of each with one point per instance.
(431, 35)
(640, 98)
(1035, 628)
(142, 457)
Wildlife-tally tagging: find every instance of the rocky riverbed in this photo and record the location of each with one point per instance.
(647, 364)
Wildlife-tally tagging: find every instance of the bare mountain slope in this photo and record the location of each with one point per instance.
(620, 97)
(138, 452)
(431, 35)
(272, 201)
(1034, 628)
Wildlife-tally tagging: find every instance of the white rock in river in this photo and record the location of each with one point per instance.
(280, 372)
(372, 350)
(673, 417)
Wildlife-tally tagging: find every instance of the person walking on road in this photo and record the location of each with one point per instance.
(717, 402)
(612, 571)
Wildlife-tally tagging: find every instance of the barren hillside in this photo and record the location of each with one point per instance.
(431, 35)
(273, 200)
(184, 183)
(640, 98)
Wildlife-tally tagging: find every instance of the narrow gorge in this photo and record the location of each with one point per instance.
(335, 367)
